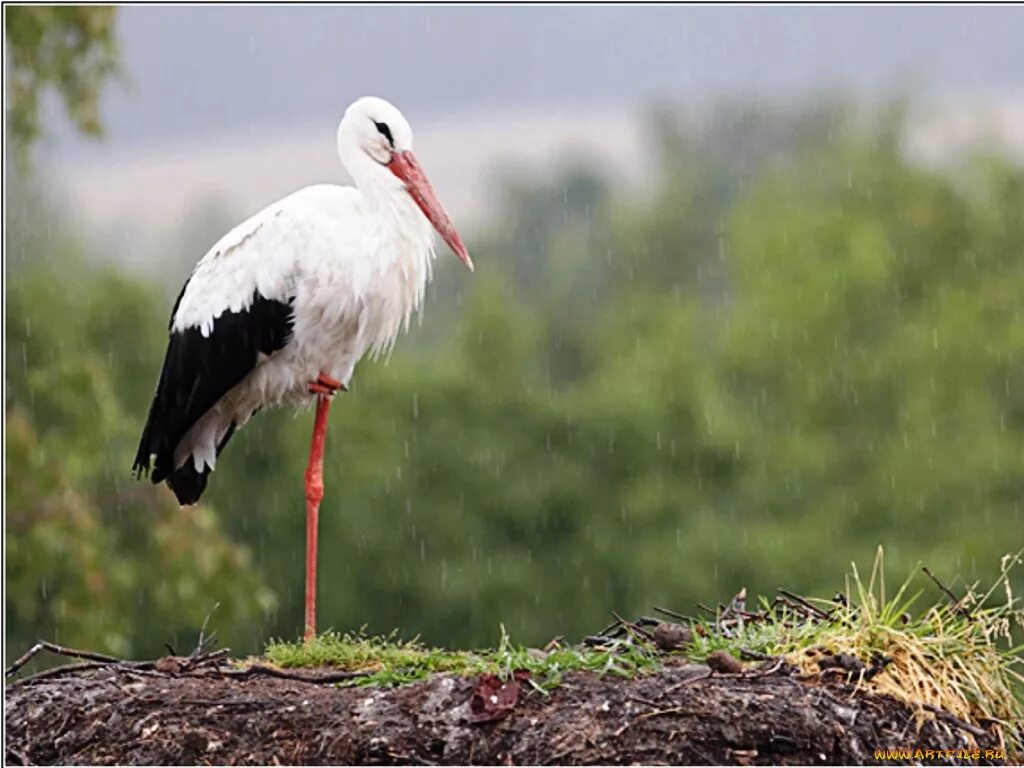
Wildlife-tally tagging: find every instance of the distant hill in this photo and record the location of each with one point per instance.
(135, 201)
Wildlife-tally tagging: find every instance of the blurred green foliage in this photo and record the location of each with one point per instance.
(93, 558)
(798, 347)
(70, 50)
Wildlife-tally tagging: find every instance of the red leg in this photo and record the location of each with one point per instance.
(314, 493)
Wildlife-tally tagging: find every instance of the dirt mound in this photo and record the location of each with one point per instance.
(683, 714)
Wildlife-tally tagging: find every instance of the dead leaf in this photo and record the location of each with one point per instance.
(494, 698)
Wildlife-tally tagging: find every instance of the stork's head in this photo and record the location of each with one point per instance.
(375, 144)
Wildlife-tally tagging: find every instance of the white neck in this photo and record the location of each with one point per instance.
(384, 193)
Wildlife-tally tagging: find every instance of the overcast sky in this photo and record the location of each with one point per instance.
(202, 70)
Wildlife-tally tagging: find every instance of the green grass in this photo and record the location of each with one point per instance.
(393, 662)
(960, 658)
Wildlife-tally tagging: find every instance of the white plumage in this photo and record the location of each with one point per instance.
(343, 268)
(352, 287)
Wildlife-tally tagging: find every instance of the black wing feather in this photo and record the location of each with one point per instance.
(197, 372)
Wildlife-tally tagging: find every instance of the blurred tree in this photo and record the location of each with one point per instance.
(69, 49)
(93, 557)
(872, 350)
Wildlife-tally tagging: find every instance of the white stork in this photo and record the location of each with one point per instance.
(283, 306)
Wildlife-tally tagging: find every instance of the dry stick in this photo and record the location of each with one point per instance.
(797, 609)
(956, 607)
(688, 681)
(61, 670)
(752, 616)
(60, 650)
(672, 614)
(660, 712)
(952, 719)
(630, 626)
(604, 632)
(756, 655)
(259, 669)
(712, 611)
(130, 666)
(205, 641)
(804, 603)
(764, 672)
(96, 661)
(206, 658)
(229, 702)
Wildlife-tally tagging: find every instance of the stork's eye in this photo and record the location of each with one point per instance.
(385, 132)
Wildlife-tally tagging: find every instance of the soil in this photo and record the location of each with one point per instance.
(684, 714)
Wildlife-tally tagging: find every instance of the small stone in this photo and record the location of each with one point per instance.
(723, 662)
(669, 637)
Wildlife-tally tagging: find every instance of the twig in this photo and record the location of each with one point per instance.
(753, 616)
(629, 625)
(803, 603)
(645, 715)
(672, 614)
(604, 632)
(61, 670)
(956, 607)
(204, 641)
(686, 682)
(84, 666)
(660, 712)
(704, 608)
(59, 650)
(952, 719)
(206, 658)
(228, 703)
(765, 672)
(260, 669)
(98, 661)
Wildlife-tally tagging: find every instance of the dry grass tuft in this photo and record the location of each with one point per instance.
(958, 657)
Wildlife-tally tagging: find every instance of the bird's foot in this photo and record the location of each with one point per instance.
(325, 385)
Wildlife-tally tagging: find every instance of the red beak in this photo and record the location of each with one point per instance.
(405, 166)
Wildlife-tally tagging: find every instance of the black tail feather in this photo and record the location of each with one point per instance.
(186, 481)
(188, 484)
